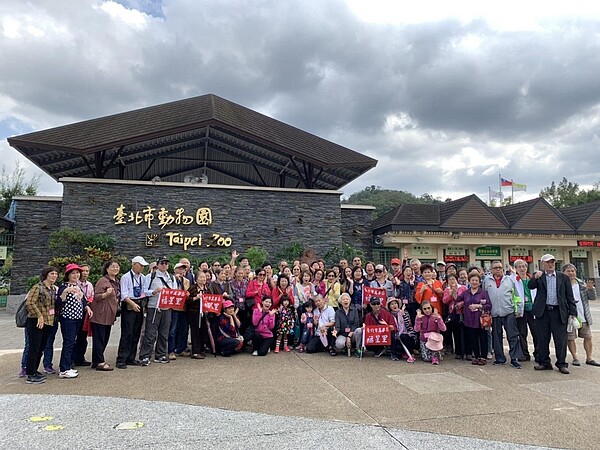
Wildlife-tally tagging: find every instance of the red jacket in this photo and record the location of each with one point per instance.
(277, 293)
(384, 315)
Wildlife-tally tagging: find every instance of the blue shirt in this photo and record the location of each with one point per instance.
(551, 297)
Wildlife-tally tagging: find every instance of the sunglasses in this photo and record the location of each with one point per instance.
(262, 274)
(379, 271)
(426, 309)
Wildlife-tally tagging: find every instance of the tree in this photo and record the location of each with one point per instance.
(13, 184)
(568, 193)
(385, 200)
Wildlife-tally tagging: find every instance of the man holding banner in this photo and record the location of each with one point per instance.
(381, 317)
(158, 317)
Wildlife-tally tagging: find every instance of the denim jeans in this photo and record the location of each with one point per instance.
(68, 329)
(49, 348)
(178, 332)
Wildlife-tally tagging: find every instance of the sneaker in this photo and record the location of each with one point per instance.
(23, 373)
(499, 363)
(358, 353)
(83, 363)
(185, 353)
(276, 349)
(43, 375)
(255, 353)
(172, 356)
(410, 359)
(515, 364)
(121, 365)
(395, 358)
(49, 370)
(133, 362)
(145, 362)
(35, 379)
(377, 355)
(73, 371)
(435, 361)
(162, 360)
(67, 374)
(287, 349)
(301, 349)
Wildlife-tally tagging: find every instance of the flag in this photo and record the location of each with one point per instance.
(519, 186)
(495, 195)
(505, 182)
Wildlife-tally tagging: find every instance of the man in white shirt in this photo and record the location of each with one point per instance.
(323, 339)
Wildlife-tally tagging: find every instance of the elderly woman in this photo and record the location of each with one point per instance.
(229, 339)
(282, 288)
(525, 314)
(73, 306)
(454, 319)
(473, 302)
(107, 293)
(347, 331)
(257, 289)
(580, 292)
(197, 320)
(40, 304)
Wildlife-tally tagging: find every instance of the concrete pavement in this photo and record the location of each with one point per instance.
(299, 398)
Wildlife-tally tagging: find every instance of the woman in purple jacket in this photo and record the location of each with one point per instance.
(474, 301)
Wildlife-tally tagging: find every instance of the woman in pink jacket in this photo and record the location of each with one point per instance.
(263, 319)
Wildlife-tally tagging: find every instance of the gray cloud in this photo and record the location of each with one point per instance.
(451, 86)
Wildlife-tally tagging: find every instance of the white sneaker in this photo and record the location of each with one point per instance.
(67, 374)
(254, 353)
(73, 371)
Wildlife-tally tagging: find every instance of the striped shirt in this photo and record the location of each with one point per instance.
(551, 297)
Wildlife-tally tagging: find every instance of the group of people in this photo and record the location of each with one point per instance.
(429, 313)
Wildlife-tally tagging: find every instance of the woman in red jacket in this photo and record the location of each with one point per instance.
(258, 288)
(282, 287)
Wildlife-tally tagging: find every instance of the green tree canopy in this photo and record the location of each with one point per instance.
(567, 193)
(385, 200)
(13, 184)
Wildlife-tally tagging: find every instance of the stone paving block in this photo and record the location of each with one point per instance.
(438, 382)
(576, 392)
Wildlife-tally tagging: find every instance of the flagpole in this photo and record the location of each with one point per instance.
(512, 191)
(500, 186)
(489, 196)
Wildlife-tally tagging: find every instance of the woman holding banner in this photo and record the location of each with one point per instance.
(196, 318)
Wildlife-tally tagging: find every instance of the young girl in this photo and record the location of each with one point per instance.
(286, 323)
(429, 321)
(308, 320)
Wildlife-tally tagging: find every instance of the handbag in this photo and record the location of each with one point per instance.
(486, 320)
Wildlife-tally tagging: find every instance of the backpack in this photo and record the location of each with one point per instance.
(21, 314)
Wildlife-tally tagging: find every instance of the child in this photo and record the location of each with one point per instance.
(429, 321)
(308, 320)
(286, 323)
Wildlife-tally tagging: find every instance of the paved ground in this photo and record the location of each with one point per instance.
(294, 399)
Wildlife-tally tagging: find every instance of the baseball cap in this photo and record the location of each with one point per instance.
(375, 301)
(440, 263)
(395, 261)
(548, 257)
(162, 258)
(178, 265)
(227, 304)
(139, 259)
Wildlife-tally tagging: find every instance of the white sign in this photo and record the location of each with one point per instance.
(551, 250)
(579, 253)
(455, 251)
(422, 250)
(3, 252)
(519, 251)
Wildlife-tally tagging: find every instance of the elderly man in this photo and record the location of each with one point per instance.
(500, 288)
(525, 314)
(553, 304)
(415, 265)
(381, 316)
(134, 289)
(324, 315)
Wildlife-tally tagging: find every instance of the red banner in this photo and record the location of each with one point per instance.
(377, 335)
(456, 258)
(211, 303)
(527, 259)
(380, 293)
(172, 299)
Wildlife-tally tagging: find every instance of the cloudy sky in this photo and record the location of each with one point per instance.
(446, 95)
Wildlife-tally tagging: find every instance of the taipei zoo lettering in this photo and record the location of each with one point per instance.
(160, 218)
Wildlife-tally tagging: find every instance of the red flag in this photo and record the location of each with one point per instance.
(377, 335)
(378, 292)
(172, 299)
(211, 303)
(505, 182)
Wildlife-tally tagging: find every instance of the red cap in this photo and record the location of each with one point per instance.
(396, 261)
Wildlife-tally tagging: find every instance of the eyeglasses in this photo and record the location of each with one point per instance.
(497, 267)
(216, 265)
(426, 308)
(356, 260)
(262, 274)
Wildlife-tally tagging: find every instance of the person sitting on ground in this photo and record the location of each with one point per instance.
(381, 316)
(406, 334)
(263, 319)
(229, 341)
(325, 320)
(347, 331)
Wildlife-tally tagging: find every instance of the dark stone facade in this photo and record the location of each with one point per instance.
(35, 221)
(356, 227)
(265, 217)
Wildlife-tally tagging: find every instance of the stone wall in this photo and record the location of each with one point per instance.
(35, 219)
(356, 227)
(265, 217)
